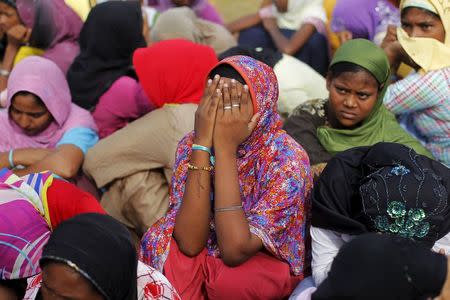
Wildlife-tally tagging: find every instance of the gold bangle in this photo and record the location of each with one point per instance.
(195, 168)
(230, 208)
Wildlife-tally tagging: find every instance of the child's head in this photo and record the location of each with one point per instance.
(353, 93)
(355, 81)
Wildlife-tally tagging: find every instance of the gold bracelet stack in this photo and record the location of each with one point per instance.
(195, 168)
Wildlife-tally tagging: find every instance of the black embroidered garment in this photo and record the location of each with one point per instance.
(385, 188)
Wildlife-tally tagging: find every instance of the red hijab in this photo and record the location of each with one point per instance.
(174, 71)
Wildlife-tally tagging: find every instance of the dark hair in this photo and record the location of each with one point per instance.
(227, 71)
(405, 10)
(36, 98)
(336, 70)
(267, 56)
(11, 3)
(18, 286)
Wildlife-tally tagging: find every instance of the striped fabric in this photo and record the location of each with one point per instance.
(423, 103)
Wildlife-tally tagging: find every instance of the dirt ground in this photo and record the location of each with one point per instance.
(233, 9)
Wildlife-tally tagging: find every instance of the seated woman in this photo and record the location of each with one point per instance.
(422, 100)
(294, 89)
(354, 114)
(41, 128)
(238, 232)
(91, 256)
(182, 23)
(31, 207)
(386, 188)
(202, 8)
(172, 74)
(102, 78)
(388, 267)
(355, 19)
(294, 27)
(54, 27)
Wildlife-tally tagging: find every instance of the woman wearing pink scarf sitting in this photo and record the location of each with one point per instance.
(41, 128)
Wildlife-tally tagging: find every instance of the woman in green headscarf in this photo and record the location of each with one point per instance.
(354, 114)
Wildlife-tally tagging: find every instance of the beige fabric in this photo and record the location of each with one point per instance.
(135, 165)
(182, 23)
(429, 54)
(298, 83)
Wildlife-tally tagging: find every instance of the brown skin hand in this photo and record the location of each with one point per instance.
(226, 129)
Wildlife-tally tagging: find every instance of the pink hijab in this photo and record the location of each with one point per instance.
(55, 28)
(43, 78)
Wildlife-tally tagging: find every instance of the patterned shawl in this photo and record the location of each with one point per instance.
(24, 223)
(274, 177)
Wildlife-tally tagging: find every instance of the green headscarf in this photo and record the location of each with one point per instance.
(381, 125)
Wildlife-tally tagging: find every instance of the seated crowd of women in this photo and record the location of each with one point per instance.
(149, 150)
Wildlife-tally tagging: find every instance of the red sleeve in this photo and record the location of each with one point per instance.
(65, 201)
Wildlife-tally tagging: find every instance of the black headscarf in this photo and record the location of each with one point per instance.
(384, 188)
(102, 250)
(111, 33)
(265, 55)
(11, 3)
(388, 267)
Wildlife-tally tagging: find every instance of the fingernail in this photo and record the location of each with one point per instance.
(217, 76)
(233, 81)
(246, 87)
(209, 81)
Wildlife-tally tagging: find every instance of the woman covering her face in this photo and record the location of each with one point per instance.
(238, 213)
(354, 114)
(422, 100)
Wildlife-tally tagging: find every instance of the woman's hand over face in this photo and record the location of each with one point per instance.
(235, 120)
(205, 116)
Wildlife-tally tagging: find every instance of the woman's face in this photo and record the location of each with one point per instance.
(419, 23)
(30, 115)
(353, 96)
(60, 281)
(8, 17)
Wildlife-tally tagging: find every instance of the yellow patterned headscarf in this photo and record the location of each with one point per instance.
(428, 53)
